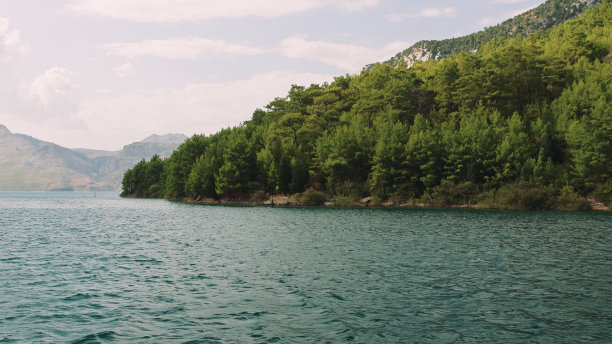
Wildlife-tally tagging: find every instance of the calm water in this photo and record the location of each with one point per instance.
(74, 268)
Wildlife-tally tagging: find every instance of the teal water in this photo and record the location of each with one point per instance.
(75, 268)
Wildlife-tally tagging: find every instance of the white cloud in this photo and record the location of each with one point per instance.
(489, 21)
(351, 58)
(13, 91)
(432, 12)
(522, 10)
(113, 120)
(194, 10)
(51, 86)
(181, 48)
(397, 17)
(124, 70)
(355, 5)
(10, 41)
(508, 1)
(428, 12)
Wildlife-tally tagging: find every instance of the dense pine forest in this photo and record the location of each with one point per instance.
(526, 123)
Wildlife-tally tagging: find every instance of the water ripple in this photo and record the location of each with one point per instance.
(79, 269)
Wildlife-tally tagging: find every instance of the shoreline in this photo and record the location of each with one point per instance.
(286, 201)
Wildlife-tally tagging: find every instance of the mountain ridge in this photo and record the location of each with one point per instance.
(30, 164)
(545, 16)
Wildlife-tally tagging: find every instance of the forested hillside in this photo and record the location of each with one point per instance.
(523, 123)
(549, 14)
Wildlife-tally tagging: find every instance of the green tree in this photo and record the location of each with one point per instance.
(389, 172)
(154, 176)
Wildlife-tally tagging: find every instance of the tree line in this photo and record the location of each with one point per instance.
(524, 122)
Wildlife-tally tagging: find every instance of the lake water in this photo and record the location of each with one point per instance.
(88, 268)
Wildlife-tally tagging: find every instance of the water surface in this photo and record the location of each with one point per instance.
(87, 268)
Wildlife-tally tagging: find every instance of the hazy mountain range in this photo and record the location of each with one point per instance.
(29, 164)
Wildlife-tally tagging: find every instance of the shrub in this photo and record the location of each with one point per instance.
(603, 193)
(568, 202)
(525, 196)
(351, 190)
(449, 193)
(346, 201)
(311, 197)
(259, 197)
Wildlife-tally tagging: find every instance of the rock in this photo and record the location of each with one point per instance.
(281, 200)
(599, 206)
(366, 201)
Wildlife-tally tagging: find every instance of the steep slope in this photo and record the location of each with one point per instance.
(29, 164)
(549, 14)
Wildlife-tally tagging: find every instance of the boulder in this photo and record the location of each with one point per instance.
(366, 201)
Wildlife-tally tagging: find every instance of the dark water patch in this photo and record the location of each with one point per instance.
(99, 337)
(337, 297)
(80, 297)
(204, 341)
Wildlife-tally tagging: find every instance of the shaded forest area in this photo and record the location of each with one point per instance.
(525, 123)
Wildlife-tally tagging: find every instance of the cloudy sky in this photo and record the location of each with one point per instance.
(104, 73)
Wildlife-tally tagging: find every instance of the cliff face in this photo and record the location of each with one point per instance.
(29, 164)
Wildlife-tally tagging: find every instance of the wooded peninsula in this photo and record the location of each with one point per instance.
(523, 123)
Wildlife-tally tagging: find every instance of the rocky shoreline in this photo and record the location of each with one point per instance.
(288, 201)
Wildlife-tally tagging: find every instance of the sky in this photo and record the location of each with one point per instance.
(101, 74)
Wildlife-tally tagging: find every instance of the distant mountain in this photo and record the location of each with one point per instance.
(29, 164)
(168, 139)
(549, 14)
